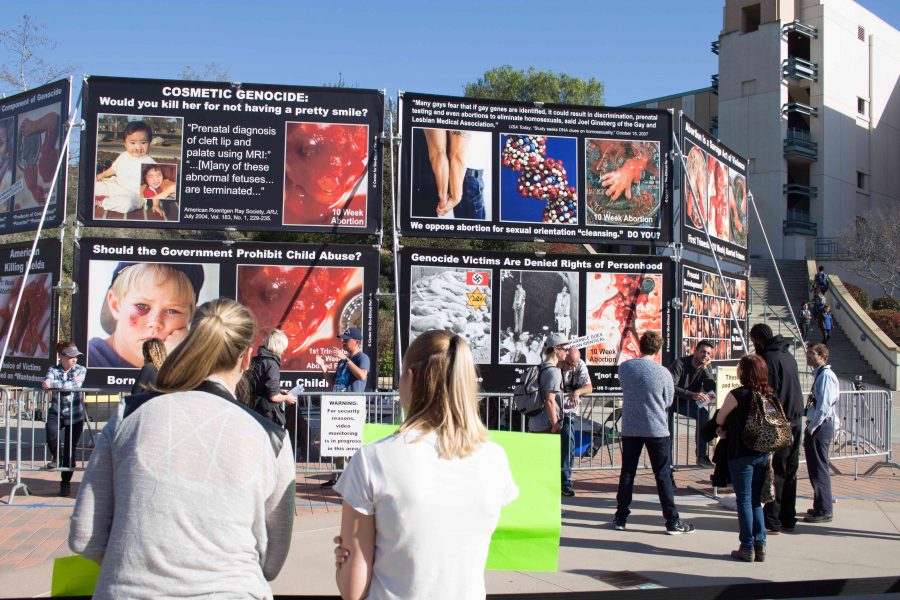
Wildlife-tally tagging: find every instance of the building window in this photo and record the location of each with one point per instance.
(860, 180)
(750, 18)
(748, 88)
(861, 33)
(861, 105)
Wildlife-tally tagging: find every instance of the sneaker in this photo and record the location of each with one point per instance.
(329, 484)
(759, 551)
(789, 528)
(51, 465)
(678, 527)
(704, 462)
(744, 554)
(568, 492)
(820, 518)
(619, 524)
(810, 511)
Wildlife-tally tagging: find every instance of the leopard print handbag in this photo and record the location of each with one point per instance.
(767, 429)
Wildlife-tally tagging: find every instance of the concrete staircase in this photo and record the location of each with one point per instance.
(767, 306)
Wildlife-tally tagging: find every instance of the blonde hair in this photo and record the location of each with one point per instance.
(155, 274)
(220, 332)
(154, 352)
(444, 393)
(275, 342)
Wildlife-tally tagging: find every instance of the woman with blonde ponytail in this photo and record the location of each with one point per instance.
(420, 506)
(188, 492)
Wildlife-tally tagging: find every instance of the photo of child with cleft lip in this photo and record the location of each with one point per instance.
(143, 301)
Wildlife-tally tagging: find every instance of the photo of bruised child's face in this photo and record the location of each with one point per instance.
(148, 301)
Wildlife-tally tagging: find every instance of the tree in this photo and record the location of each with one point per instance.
(22, 67)
(507, 83)
(873, 247)
(212, 71)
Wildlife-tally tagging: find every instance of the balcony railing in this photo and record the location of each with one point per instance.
(797, 68)
(830, 249)
(799, 108)
(714, 46)
(800, 144)
(800, 29)
(798, 189)
(799, 223)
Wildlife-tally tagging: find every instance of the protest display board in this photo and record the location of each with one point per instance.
(512, 170)
(32, 130)
(32, 338)
(705, 314)
(505, 306)
(210, 155)
(719, 177)
(726, 380)
(134, 290)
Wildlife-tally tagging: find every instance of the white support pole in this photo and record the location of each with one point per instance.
(396, 236)
(63, 152)
(734, 316)
(787, 300)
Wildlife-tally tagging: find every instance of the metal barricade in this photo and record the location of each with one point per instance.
(29, 424)
(863, 429)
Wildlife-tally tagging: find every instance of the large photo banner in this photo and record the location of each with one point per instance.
(32, 128)
(517, 171)
(719, 177)
(32, 337)
(705, 314)
(205, 155)
(135, 290)
(506, 305)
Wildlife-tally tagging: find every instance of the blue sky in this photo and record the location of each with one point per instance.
(640, 49)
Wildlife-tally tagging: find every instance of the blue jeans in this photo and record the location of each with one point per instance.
(747, 476)
(661, 460)
(566, 448)
(471, 206)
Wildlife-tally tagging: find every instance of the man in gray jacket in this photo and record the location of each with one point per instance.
(647, 393)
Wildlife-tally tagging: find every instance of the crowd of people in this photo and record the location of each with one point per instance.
(165, 504)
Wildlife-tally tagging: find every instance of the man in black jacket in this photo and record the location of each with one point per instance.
(781, 514)
(694, 390)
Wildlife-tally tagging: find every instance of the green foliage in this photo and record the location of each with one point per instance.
(507, 83)
(889, 322)
(859, 294)
(885, 303)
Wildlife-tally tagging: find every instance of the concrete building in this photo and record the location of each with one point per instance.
(807, 91)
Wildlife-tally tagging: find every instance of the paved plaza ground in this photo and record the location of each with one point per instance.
(862, 541)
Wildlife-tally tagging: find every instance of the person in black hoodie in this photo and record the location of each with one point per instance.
(264, 377)
(781, 514)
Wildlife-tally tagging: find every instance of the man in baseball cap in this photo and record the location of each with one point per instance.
(352, 369)
(552, 419)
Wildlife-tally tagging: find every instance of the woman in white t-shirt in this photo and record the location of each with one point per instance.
(420, 506)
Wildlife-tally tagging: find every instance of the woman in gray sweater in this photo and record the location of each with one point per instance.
(189, 493)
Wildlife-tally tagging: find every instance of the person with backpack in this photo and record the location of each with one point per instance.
(820, 281)
(264, 378)
(784, 378)
(821, 419)
(818, 304)
(826, 322)
(540, 397)
(647, 394)
(748, 454)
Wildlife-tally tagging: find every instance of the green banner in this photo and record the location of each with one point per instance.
(527, 537)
